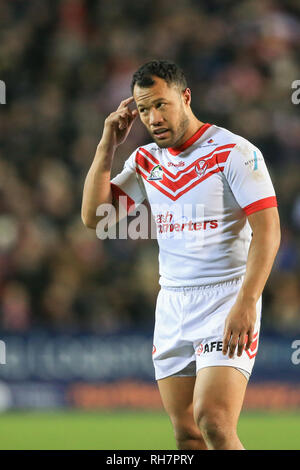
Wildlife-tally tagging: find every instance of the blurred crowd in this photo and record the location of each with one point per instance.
(66, 65)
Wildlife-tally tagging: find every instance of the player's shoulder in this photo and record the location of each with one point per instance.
(151, 148)
(141, 152)
(242, 145)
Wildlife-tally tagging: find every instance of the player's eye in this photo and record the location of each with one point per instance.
(159, 105)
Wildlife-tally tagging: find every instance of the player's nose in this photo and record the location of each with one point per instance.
(155, 118)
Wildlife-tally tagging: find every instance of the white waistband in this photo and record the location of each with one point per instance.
(232, 282)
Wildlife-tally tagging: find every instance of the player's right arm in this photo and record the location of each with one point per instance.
(97, 186)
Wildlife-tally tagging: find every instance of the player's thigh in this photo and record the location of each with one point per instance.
(177, 397)
(219, 394)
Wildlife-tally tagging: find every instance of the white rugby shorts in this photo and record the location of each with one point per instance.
(189, 327)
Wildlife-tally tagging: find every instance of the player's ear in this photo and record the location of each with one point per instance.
(187, 96)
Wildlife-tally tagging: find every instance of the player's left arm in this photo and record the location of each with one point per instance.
(265, 242)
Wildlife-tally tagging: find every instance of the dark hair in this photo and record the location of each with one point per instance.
(165, 69)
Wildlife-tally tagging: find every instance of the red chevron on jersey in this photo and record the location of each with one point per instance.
(148, 161)
(187, 178)
(187, 181)
(179, 172)
(174, 196)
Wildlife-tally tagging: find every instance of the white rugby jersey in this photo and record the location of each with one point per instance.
(200, 196)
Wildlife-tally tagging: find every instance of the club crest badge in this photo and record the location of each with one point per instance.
(156, 173)
(201, 167)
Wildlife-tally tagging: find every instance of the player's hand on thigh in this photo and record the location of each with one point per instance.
(239, 328)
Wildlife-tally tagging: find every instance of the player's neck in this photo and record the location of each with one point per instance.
(193, 128)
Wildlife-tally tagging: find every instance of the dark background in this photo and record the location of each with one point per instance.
(66, 65)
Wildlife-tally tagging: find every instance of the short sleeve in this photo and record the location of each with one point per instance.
(249, 179)
(128, 184)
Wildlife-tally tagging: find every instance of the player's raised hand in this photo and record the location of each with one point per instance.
(239, 328)
(118, 124)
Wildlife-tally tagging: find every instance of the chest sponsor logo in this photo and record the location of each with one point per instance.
(166, 223)
(201, 167)
(156, 174)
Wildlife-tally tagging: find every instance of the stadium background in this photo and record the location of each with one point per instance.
(77, 312)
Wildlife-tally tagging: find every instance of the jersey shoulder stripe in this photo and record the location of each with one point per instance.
(264, 203)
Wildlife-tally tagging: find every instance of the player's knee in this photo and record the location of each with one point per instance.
(187, 435)
(186, 439)
(183, 436)
(213, 424)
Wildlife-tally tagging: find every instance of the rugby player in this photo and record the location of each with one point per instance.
(208, 311)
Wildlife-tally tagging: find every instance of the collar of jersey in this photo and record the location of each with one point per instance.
(190, 141)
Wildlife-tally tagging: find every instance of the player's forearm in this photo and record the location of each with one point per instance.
(97, 189)
(262, 252)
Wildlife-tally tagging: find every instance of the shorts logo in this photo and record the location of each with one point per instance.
(252, 351)
(209, 347)
(153, 349)
(156, 173)
(201, 167)
(205, 348)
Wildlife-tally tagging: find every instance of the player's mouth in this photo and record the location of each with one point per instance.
(161, 133)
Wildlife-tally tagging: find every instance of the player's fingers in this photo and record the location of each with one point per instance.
(124, 112)
(241, 344)
(129, 116)
(117, 116)
(233, 344)
(249, 339)
(122, 122)
(226, 340)
(125, 102)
